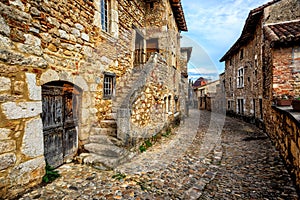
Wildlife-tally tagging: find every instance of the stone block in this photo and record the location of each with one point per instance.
(75, 32)
(4, 132)
(19, 87)
(5, 84)
(63, 34)
(85, 37)
(97, 19)
(53, 22)
(26, 48)
(87, 51)
(48, 76)
(5, 43)
(7, 160)
(79, 26)
(32, 40)
(4, 28)
(21, 174)
(35, 92)
(33, 142)
(13, 110)
(7, 146)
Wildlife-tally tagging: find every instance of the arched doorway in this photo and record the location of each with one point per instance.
(61, 101)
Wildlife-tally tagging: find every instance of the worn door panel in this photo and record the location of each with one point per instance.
(60, 119)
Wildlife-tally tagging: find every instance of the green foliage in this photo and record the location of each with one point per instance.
(148, 143)
(51, 174)
(167, 133)
(142, 148)
(119, 176)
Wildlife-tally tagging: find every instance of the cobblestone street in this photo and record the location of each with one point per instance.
(198, 162)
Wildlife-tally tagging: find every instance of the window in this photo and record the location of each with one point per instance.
(104, 15)
(261, 108)
(240, 77)
(152, 47)
(109, 85)
(139, 48)
(230, 62)
(241, 54)
(240, 106)
(230, 105)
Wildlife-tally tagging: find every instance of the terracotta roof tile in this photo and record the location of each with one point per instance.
(283, 32)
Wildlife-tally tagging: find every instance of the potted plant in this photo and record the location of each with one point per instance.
(296, 104)
(284, 100)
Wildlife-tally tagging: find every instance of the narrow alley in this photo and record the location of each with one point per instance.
(238, 162)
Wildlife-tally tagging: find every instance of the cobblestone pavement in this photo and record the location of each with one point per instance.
(205, 163)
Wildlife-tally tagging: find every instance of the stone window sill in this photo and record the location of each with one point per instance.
(108, 36)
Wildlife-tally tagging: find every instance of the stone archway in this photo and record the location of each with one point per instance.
(60, 116)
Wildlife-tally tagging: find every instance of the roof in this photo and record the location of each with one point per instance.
(248, 30)
(283, 33)
(179, 14)
(200, 82)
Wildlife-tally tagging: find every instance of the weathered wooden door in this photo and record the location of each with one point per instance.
(60, 121)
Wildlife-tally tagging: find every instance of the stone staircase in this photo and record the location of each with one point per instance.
(106, 151)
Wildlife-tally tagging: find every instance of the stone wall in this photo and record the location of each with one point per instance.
(251, 62)
(46, 41)
(284, 130)
(285, 10)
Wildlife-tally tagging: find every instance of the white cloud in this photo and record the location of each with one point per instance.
(215, 25)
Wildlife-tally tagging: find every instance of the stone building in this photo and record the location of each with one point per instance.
(88, 78)
(263, 65)
(205, 93)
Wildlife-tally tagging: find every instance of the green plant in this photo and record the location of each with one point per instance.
(119, 176)
(148, 143)
(167, 133)
(51, 174)
(142, 148)
(297, 98)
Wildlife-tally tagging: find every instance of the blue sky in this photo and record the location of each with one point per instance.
(214, 26)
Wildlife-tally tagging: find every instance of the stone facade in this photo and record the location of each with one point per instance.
(205, 93)
(91, 51)
(261, 67)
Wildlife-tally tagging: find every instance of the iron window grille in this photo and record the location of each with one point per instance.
(109, 85)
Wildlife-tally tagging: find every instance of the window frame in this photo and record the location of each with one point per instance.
(240, 106)
(240, 77)
(109, 83)
(139, 47)
(104, 15)
(241, 54)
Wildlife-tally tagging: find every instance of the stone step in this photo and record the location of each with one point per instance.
(100, 139)
(100, 162)
(108, 124)
(105, 131)
(105, 150)
(104, 139)
(111, 116)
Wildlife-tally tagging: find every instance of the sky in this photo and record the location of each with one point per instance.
(213, 27)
